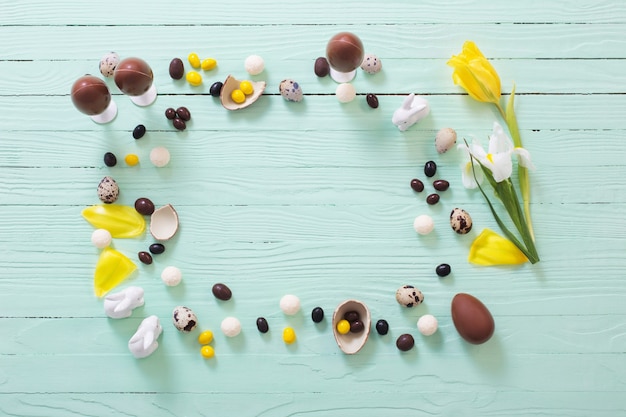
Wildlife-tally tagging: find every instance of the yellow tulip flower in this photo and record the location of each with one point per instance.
(489, 248)
(476, 75)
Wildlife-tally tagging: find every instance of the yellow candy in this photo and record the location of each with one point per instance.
(131, 159)
(246, 87)
(207, 351)
(343, 326)
(194, 78)
(289, 335)
(205, 337)
(194, 60)
(238, 96)
(121, 221)
(112, 268)
(208, 64)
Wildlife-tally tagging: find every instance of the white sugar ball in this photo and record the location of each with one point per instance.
(101, 238)
(171, 276)
(427, 324)
(254, 65)
(290, 304)
(345, 92)
(231, 326)
(160, 156)
(423, 224)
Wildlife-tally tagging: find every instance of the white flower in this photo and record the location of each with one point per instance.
(469, 168)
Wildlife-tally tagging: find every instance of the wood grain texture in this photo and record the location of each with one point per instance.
(312, 199)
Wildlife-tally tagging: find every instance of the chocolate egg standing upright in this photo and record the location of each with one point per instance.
(133, 76)
(472, 319)
(91, 96)
(344, 52)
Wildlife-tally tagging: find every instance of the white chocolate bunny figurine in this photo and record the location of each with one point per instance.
(144, 341)
(413, 109)
(121, 304)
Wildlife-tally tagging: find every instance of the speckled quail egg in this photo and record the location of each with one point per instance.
(409, 296)
(184, 319)
(460, 221)
(290, 90)
(445, 139)
(371, 64)
(108, 190)
(108, 63)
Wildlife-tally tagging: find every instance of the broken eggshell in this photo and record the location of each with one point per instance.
(232, 84)
(350, 343)
(164, 222)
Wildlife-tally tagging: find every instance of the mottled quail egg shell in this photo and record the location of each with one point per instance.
(445, 139)
(184, 319)
(460, 221)
(108, 63)
(290, 90)
(409, 296)
(108, 190)
(371, 64)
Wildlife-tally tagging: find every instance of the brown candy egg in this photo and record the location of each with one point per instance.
(133, 76)
(90, 95)
(345, 52)
(472, 319)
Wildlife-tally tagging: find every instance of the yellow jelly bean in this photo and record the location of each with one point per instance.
(194, 60)
(208, 64)
(246, 87)
(131, 159)
(238, 96)
(194, 78)
(205, 337)
(207, 351)
(289, 335)
(343, 326)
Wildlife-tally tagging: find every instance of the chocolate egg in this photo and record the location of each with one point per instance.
(472, 319)
(344, 52)
(133, 76)
(90, 95)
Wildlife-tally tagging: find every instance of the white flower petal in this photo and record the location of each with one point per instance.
(499, 142)
(524, 158)
(502, 166)
(467, 176)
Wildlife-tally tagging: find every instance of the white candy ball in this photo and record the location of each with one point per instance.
(254, 65)
(423, 224)
(231, 326)
(290, 304)
(171, 276)
(160, 156)
(101, 238)
(427, 324)
(345, 92)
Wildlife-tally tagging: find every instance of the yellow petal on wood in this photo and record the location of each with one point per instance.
(112, 268)
(121, 221)
(489, 249)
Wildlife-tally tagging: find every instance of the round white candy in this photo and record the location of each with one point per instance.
(345, 92)
(101, 238)
(423, 224)
(171, 276)
(290, 304)
(160, 156)
(254, 65)
(427, 324)
(231, 326)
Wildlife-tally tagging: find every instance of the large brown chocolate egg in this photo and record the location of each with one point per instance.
(472, 319)
(133, 76)
(90, 95)
(344, 52)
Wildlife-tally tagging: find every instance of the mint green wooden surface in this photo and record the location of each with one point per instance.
(312, 199)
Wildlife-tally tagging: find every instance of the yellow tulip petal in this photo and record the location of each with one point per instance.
(475, 74)
(120, 221)
(112, 268)
(489, 249)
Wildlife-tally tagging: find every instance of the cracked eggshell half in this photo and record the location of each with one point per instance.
(350, 343)
(232, 84)
(164, 222)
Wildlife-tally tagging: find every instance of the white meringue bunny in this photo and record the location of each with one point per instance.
(121, 304)
(413, 109)
(144, 341)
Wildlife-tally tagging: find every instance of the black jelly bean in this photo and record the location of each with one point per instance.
(372, 100)
(321, 67)
(262, 325)
(221, 292)
(183, 113)
(417, 185)
(139, 131)
(351, 316)
(170, 113)
(179, 123)
(144, 206)
(382, 327)
(216, 88)
(441, 185)
(432, 199)
(430, 168)
(110, 159)
(443, 270)
(145, 257)
(177, 68)
(405, 342)
(317, 315)
(357, 326)
(156, 248)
